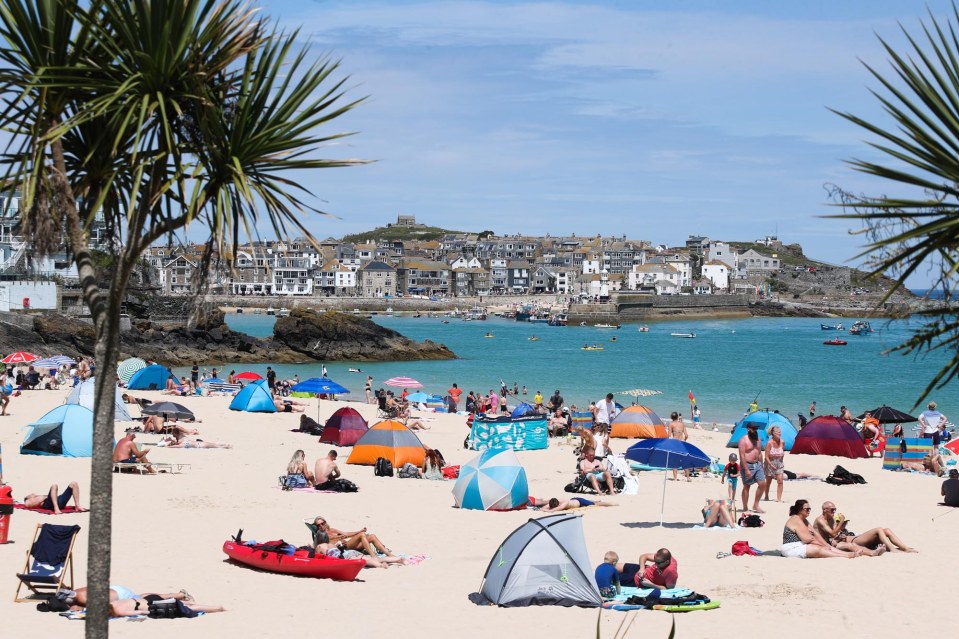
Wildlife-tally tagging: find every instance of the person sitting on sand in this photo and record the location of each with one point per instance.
(799, 540)
(661, 572)
(555, 505)
(357, 540)
(126, 452)
(950, 489)
(557, 422)
(326, 472)
(593, 470)
(832, 528)
(874, 537)
(51, 500)
(298, 472)
(433, 463)
(156, 424)
(716, 513)
(607, 577)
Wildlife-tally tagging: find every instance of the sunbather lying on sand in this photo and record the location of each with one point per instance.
(555, 505)
(78, 598)
(357, 540)
(137, 607)
(190, 442)
(287, 406)
(54, 500)
(372, 561)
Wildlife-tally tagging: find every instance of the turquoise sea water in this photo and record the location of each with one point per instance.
(783, 360)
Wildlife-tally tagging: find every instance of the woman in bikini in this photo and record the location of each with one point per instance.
(774, 467)
(799, 540)
(358, 540)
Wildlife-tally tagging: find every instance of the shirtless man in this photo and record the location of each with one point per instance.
(555, 505)
(677, 430)
(126, 451)
(832, 530)
(593, 469)
(750, 456)
(54, 501)
(874, 537)
(325, 471)
(288, 406)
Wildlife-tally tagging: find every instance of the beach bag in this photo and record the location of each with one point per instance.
(842, 477)
(408, 471)
(383, 467)
(341, 485)
(451, 472)
(751, 521)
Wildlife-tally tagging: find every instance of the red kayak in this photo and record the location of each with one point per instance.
(299, 563)
(835, 342)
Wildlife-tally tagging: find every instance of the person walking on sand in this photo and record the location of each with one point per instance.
(677, 430)
(751, 452)
(369, 389)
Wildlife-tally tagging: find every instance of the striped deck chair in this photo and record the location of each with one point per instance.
(916, 449)
(583, 420)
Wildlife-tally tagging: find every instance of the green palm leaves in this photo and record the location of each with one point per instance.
(916, 230)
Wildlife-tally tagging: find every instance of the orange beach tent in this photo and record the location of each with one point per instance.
(390, 439)
(637, 422)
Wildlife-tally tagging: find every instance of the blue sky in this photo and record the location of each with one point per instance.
(654, 119)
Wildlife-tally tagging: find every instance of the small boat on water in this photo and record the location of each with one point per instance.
(827, 327)
(258, 311)
(446, 321)
(860, 328)
(835, 342)
(355, 370)
(533, 339)
(239, 311)
(686, 335)
(591, 348)
(558, 320)
(389, 310)
(356, 311)
(643, 329)
(606, 326)
(271, 311)
(283, 312)
(612, 339)
(489, 335)
(417, 314)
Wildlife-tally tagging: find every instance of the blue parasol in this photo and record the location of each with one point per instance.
(667, 454)
(319, 386)
(419, 398)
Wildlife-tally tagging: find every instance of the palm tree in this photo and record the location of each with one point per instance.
(155, 114)
(917, 230)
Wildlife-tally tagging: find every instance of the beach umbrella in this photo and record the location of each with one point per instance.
(419, 398)
(54, 362)
(317, 386)
(84, 393)
(20, 357)
(640, 392)
(887, 415)
(494, 480)
(249, 376)
(169, 410)
(128, 367)
(403, 382)
(667, 454)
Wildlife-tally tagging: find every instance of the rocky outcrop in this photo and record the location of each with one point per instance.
(336, 336)
(303, 336)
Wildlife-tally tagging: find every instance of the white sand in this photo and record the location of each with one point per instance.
(168, 532)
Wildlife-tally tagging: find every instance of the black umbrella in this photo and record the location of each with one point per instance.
(887, 415)
(169, 410)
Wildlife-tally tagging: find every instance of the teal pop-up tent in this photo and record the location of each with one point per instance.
(65, 431)
(255, 397)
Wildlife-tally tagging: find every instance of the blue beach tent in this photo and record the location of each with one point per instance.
(65, 431)
(494, 480)
(255, 397)
(764, 420)
(523, 410)
(152, 377)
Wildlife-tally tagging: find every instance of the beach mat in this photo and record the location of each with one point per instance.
(43, 511)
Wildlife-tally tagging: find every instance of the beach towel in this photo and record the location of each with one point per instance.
(693, 600)
(307, 489)
(63, 511)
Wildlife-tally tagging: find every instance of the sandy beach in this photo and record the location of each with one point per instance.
(169, 529)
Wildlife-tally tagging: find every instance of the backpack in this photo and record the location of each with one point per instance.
(341, 485)
(383, 467)
(408, 471)
(842, 477)
(751, 521)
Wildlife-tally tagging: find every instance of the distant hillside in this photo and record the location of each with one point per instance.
(395, 232)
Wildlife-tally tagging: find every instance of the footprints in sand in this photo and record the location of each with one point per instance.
(771, 592)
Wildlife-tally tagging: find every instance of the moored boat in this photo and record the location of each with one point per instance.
(686, 335)
(643, 329)
(835, 342)
(860, 328)
(283, 312)
(271, 311)
(827, 327)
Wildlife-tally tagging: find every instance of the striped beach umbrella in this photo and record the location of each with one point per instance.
(640, 392)
(390, 439)
(54, 362)
(637, 422)
(128, 367)
(494, 480)
(403, 382)
(20, 357)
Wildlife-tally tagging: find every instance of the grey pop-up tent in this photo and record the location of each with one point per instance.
(542, 563)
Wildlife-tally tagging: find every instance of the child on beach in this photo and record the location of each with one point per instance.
(731, 470)
(607, 576)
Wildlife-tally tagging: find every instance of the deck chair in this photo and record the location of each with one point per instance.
(49, 563)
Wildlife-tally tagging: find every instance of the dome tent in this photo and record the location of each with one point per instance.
(542, 563)
(153, 377)
(829, 435)
(65, 431)
(764, 421)
(390, 439)
(344, 427)
(637, 422)
(255, 397)
(84, 393)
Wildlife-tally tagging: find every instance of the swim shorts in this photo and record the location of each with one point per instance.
(756, 473)
(795, 549)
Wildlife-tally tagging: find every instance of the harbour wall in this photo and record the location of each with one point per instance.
(630, 307)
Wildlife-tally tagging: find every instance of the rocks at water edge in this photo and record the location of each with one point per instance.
(333, 336)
